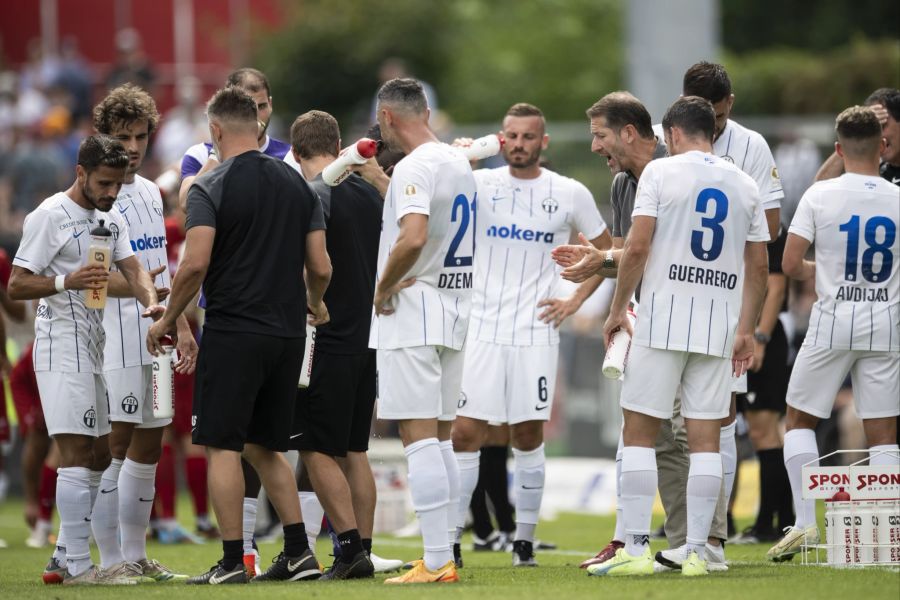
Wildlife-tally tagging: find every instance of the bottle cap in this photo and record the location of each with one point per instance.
(367, 148)
(101, 230)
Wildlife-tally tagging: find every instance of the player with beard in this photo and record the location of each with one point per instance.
(509, 375)
(69, 339)
(129, 115)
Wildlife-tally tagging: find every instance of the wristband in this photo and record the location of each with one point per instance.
(60, 283)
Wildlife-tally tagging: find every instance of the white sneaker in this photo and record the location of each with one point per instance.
(93, 575)
(715, 558)
(385, 565)
(39, 537)
(791, 543)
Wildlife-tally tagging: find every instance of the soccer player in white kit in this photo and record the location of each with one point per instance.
(69, 339)
(422, 298)
(855, 323)
(698, 232)
(748, 151)
(122, 510)
(512, 348)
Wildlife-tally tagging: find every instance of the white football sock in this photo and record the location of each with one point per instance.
(619, 534)
(313, 513)
(888, 458)
(528, 484)
(431, 498)
(453, 485)
(249, 524)
(105, 516)
(639, 482)
(799, 449)
(137, 487)
(728, 450)
(468, 479)
(59, 550)
(94, 478)
(73, 501)
(703, 485)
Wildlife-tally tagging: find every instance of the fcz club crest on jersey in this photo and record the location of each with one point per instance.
(550, 205)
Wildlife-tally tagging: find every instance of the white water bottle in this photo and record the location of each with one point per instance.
(164, 381)
(308, 351)
(356, 154)
(617, 352)
(483, 147)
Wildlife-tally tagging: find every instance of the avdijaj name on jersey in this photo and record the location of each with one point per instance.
(455, 281)
(514, 232)
(849, 293)
(702, 276)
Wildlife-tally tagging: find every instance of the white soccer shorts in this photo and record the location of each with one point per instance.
(653, 376)
(131, 397)
(818, 373)
(74, 403)
(508, 384)
(421, 382)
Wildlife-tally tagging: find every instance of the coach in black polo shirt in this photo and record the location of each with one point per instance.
(252, 225)
(333, 416)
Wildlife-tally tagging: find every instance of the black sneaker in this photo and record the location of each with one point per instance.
(360, 567)
(457, 556)
(291, 568)
(523, 554)
(218, 575)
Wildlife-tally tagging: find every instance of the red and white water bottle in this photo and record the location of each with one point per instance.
(164, 381)
(483, 147)
(356, 154)
(617, 352)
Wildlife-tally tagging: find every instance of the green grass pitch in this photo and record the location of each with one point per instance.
(486, 576)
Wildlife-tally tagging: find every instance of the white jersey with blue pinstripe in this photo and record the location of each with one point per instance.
(706, 209)
(433, 180)
(748, 150)
(141, 206)
(518, 222)
(68, 337)
(853, 222)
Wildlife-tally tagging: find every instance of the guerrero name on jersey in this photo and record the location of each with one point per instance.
(692, 287)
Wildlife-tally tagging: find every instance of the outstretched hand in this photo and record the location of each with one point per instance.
(579, 261)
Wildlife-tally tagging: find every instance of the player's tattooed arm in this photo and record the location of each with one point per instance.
(630, 271)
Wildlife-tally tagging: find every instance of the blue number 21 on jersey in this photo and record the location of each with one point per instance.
(712, 224)
(460, 213)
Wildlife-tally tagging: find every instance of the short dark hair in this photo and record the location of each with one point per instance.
(707, 80)
(405, 92)
(232, 104)
(523, 109)
(315, 133)
(252, 80)
(101, 151)
(621, 109)
(889, 98)
(125, 105)
(695, 116)
(858, 130)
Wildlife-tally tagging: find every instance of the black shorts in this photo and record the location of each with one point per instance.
(334, 414)
(767, 388)
(245, 390)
